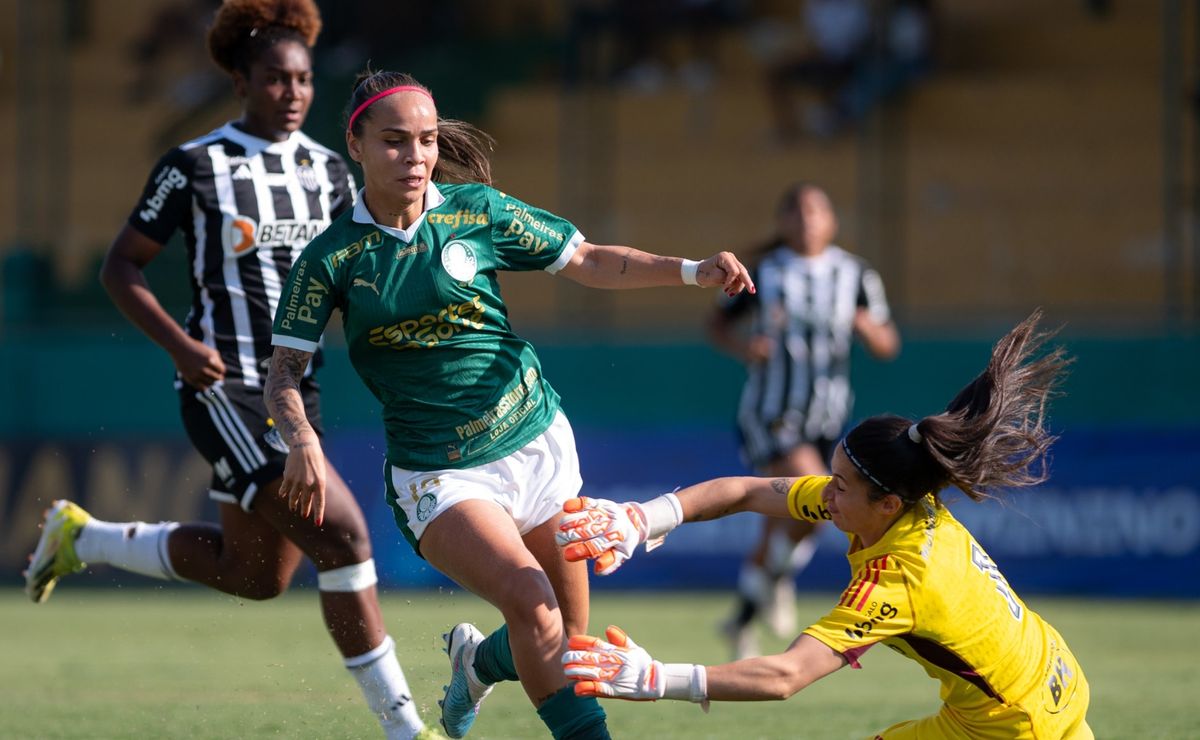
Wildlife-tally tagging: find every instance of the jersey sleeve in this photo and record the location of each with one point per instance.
(344, 188)
(874, 607)
(307, 301)
(166, 199)
(871, 295)
(528, 238)
(804, 498)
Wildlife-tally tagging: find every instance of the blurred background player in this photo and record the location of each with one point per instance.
(922, 585)
(247, 198)
(480, 458)
(794, 336)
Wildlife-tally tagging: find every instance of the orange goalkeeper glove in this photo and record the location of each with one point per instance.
(603, 530)
(620, 669)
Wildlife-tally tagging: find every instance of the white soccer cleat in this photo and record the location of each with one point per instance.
(466, 692)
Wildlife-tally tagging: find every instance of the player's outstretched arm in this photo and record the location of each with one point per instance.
(773, 677)
(612, 266)
(618, 668)
(609, 532)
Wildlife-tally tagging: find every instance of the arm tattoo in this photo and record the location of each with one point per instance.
(625, 262)
(782, 485)
(282, 392)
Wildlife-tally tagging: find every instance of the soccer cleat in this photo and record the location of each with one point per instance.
(429, 733)
(55, 554)
(466, 692)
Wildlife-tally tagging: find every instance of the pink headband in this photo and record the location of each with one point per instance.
(390, 91)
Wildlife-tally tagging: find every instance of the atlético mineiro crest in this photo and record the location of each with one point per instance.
(308, 178)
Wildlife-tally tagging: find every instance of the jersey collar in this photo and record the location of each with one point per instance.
(433, 199)
(255, 146)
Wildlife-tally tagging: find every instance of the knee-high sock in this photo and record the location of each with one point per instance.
(382, 681)
(493, 658)
(571, 717)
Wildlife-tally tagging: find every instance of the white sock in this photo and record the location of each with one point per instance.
(787, 558)
(137, 547)
(753, 584)
(803, 553)
(386, 689)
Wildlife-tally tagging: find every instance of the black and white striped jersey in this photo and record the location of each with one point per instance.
(246, 207)
(807, 306)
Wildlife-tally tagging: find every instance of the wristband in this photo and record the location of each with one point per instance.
(662, 515)
(687, 271)
(686, 682)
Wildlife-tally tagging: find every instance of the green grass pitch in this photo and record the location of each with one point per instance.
(187, 663)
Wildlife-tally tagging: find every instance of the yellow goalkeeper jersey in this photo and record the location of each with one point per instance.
(930, 592)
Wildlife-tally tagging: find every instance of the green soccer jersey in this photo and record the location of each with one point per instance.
(426, 327)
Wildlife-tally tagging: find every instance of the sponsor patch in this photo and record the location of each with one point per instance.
(169, 179)
(240, 235)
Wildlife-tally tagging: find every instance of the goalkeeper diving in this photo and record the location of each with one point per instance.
(921, 583)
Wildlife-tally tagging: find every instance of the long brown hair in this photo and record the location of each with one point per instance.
(991, 436)
(244, 29)
(463, 150)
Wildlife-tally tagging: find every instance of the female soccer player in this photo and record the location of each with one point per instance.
(814, 298)
(479, 457)
(921, 586)
(247, 197)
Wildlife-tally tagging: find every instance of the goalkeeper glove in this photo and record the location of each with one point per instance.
(610, 532)
(618, 668)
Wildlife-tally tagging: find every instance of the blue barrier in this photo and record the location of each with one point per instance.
(1120, 515)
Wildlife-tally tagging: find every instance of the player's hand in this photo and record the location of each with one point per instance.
(616, 668)
(198, 364)
(303, 483)
(726, 271)
(604, 530)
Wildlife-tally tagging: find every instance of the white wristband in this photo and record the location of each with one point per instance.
(687, 271)
(686, 682)
(662, 515)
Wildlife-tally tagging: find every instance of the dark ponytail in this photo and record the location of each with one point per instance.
(463, 150)
(991, 436)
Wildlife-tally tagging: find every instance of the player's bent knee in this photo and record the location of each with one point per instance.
(530, 607)
(349, 544)
(349, 578)
(525, 591)
(263, 588)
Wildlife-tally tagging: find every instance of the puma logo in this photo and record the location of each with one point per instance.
(359, 281)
